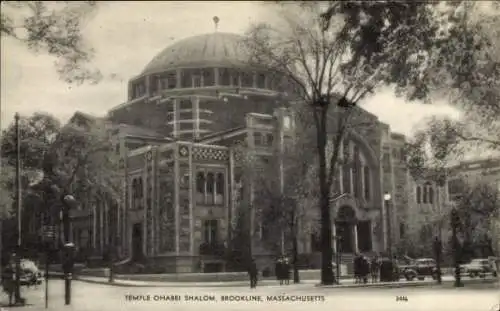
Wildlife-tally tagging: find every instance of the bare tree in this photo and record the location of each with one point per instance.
(348, 48)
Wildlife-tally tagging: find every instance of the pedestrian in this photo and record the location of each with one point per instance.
(366, 269)
(357, 270)
(286, 271)
(252, 272)
(8, 282)
(375, 269)
(279, 270)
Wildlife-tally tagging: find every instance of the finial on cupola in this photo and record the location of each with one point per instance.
(216, 22)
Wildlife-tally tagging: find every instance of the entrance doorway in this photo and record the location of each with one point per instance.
(344, 227)
(137, 242)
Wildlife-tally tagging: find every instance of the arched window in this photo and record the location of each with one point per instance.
(424, 196)
(140, 190)
(219, 189)
(366, 180)
(418, 194)
(346, 178)
(200, 187)
(431, 195)
(134, 192)
(210, 188)
(261, 81)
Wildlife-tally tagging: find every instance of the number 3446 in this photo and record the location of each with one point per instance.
(401, 298)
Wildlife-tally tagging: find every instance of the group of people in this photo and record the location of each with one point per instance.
(363, 267)
(283, 270)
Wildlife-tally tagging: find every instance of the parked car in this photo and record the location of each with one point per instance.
(420, 269)
(30, 274)
(479, 267)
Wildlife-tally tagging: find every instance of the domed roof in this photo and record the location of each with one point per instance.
(214, 49)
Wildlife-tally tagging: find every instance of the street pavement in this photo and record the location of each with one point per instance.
(96, 297)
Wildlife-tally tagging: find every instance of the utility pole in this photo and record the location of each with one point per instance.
(18, 298)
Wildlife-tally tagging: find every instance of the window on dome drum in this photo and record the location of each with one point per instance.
(224, 77)
(186, 80)
(171, 80)
(196, 81)
(235, 78)
(155, 84)
(261, 81)
(219, 189)
(247, 79)
(208, 77)
(418, 194)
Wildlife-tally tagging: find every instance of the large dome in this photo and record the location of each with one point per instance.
(215, 49)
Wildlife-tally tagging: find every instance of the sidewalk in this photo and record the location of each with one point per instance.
(346, 283)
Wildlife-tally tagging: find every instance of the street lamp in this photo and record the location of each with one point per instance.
(438, 252)
(68, 202)
(337, 257)
(455, 223)
(387, 205)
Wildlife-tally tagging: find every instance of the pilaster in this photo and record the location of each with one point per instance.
(176, 200)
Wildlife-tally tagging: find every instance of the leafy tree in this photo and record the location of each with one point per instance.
(54, 28)
(76, 157)
(352, 48)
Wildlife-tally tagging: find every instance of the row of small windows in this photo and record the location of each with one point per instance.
(193, 78)
(210, 188)
(425, 194)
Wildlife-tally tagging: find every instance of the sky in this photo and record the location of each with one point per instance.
(126, 36)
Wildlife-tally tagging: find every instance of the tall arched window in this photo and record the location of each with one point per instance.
(210, 188)
(419, 193)
(431, 195)
(424, 196)
(219, 189)
(200, 187)
(134, 193)
(366, 181)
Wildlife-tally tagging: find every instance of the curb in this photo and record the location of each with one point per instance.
(246, 284)
(408, 284)
(183, 284)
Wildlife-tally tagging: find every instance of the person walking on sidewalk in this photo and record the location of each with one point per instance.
(375, 269)
(279, 270)
(8, 282)
(252, 272)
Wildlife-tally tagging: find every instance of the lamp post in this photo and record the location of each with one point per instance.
(438, 251)
(387, 205)
(455, 223)
(336, 239)
(68, 202)
(17, 293)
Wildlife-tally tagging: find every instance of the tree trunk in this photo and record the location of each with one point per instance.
(327, 277)
(295, 256)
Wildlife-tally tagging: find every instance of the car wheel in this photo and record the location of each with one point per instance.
(421, 278)
(472, 275)
(494, 274)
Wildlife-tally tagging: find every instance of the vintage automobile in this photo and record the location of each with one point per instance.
(30, 274)
(420, 269)
(479, 267)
